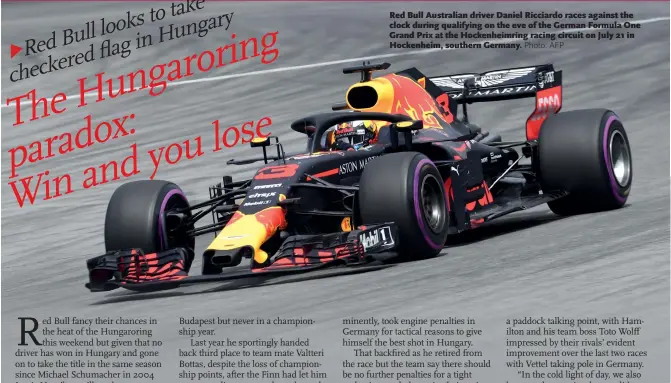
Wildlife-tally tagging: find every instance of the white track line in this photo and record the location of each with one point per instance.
(344, 61)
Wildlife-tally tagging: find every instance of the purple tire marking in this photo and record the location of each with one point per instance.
(418, 211)
(606, 155)
(163, 239)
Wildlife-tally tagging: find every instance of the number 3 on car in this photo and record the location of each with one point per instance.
(273, 172)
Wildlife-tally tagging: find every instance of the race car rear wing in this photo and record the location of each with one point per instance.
(540, 81)
(503, 84)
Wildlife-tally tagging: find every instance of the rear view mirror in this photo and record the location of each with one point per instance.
(259, 142)
(409, 125)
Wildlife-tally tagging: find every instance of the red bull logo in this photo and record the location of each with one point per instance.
(272, 219)
(250, 230)
(414, 101)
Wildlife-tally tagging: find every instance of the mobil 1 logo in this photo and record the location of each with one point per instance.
(377, 239)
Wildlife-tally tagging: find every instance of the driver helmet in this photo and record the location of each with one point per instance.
(355, 133)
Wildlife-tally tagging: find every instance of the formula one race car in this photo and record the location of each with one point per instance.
(426, 174)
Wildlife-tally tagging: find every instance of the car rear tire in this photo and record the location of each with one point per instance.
(586, 153)
(135, 218)
(406, 189)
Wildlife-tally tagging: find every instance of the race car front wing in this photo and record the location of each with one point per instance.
(132, 269)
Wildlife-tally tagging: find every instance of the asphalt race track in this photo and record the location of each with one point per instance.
(600, 265)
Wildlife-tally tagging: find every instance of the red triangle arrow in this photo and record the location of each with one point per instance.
(14, 50)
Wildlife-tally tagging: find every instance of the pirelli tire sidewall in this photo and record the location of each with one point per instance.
(390, 190)
(135, 218)
(575, 155)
